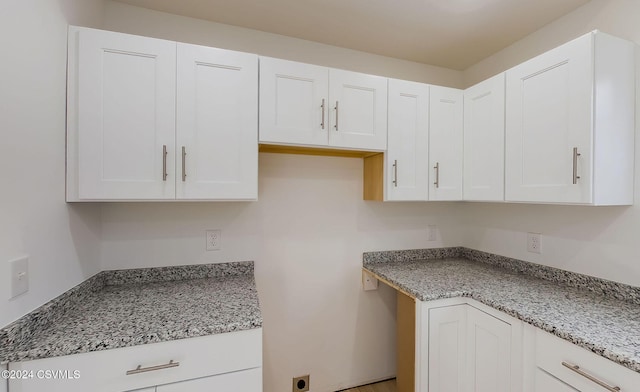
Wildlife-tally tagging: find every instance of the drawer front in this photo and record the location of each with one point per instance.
(244, 381)
(552, 352)
(106, 371)
(547, 383)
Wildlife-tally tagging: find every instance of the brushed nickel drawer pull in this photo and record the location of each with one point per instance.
(184, 163)
(322, 106)
(437, 181)
(576, 154)
(395, 173)
(164, 162)
(336, 108)
(589, 377)
(140, 369)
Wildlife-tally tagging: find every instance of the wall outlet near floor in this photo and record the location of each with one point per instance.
(300, 384)
(214, 239)
(19, 276)
(533, 242)
(432, 231)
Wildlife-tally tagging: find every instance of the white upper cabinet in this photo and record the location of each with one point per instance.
(308, 105)
(132, 98)
(294, 102)
(406, 160)
(570, 124)
(217, 124)
(359, 110)
(121, 122)
(484, 111)
(445, 143)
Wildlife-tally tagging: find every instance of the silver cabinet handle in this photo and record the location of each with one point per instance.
(336, 108)
(184, 160)
(322, 106)
(140, 369)
(437, 181)
(164, 162)
(576, 154)
(395, 173)
(589, 377)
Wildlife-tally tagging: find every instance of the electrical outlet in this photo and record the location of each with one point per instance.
(369, 282)
(19, 276)
(534, 244)
(433, 232)
(214, 239)
(300, 384)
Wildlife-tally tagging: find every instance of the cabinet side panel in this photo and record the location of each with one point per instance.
(406, 343)
(614, 106)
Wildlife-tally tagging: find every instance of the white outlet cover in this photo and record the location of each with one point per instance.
(214, 239)
(19, 276)
(534, 243)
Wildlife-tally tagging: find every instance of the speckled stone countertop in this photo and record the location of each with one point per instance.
(131, 307)
(599, 315)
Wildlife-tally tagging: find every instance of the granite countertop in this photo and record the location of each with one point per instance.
(601, 316)
(132, 307)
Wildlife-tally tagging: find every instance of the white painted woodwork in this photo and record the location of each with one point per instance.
(489, 352)
(447, 331)
(242, 381)
(484, 112)
(463, 345)
(544, 382)
(122, 113)
(406, 159)
(551, 351)
(580, 94)
(291, 97)
(216, 123)
(105, 371)
(358, 107)
(152, 389)
(445, 143)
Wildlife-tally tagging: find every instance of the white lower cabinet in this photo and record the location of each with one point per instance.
(464, 346)
(562, 366)
(227, 362)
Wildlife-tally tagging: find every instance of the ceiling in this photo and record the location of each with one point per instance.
(449, 33)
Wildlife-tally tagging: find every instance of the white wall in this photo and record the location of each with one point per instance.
(598, 241)
(61, 240)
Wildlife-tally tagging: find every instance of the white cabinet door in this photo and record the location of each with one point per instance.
(406, 160)
(294, 103)
(548, 118)
(484, 111)
(544, 382)
(217, 124)
(447, 348)
(489, 353)
(123, 110)
(445, 143)
(243, 381)
(358, 105)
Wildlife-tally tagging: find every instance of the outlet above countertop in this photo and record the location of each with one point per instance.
(599, 315)
(125, 308)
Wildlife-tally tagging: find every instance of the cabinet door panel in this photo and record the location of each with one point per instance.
(447, 347)
(489, 356)
(445, 143)
(407, 148)
(547, 383)
(243, 381)
(291, 99)
(125, 115)
(358, 110)
(484, 140)
(549, 113)
(217, 124)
